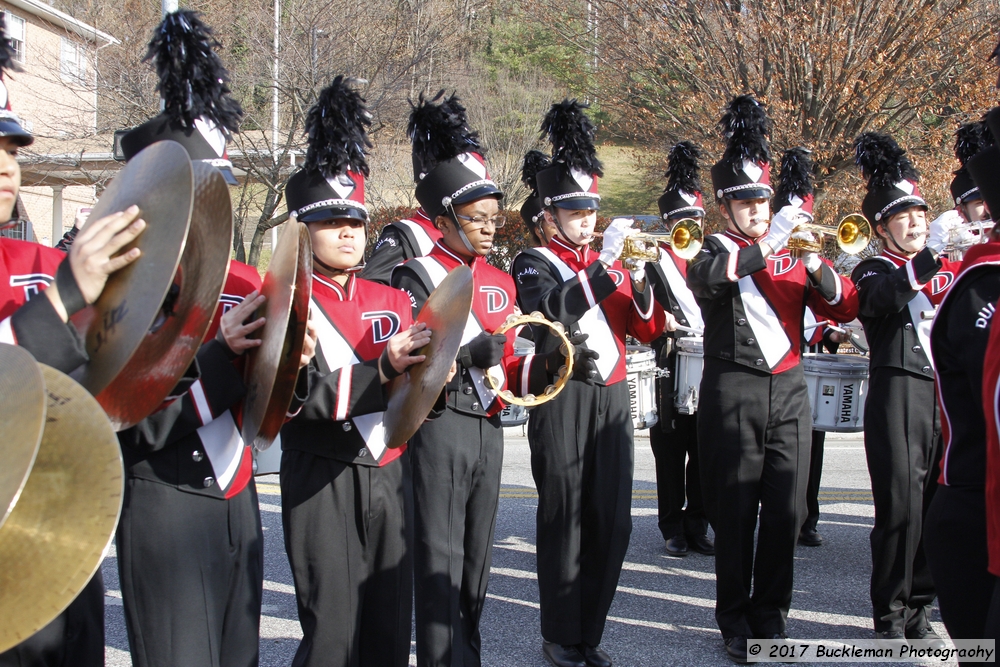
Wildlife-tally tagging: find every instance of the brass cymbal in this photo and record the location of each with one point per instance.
(60, 529)
(160, 181)
(22, 419)
(412, 394)
(167, 349)
(273, 368)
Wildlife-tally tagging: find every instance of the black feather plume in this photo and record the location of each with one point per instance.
(995, 55)
(572, 136)
(7, 52)
(337, 130)
(795, 177)
(439, 131)
(883, 162)
(968, 141)
(682, 168)
(745, 127)
(193, 81)
(534, 162)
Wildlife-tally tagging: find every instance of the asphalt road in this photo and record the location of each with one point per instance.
(663, 613)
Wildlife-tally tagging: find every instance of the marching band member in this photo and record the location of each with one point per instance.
(539, 227)
(674, 437)
(345, 497)
(190, 543)
(457, 458)
(414, 236)
(902, 429)
(969, 202)
(754, 419)
(955, 528)
(583, 469)
(40, 288)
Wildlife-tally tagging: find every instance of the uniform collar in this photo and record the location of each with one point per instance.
(741, 240)
(451, 259)
(895, 257)
(565, 250)
(345, 293)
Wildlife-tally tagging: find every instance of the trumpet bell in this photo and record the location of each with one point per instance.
(686, 238)
(854, 233)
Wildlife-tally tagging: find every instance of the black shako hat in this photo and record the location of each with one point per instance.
(531, 209)
(449, 166)
(795, 181)
(571, 180)
(331, 182)
(892, 179)
(682, 196)
(199, 113)
(10, 124)
(969, 140)
(984, 166)
(744, 170)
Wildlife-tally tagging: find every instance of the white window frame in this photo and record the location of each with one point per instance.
(13, 26)
(72, 62)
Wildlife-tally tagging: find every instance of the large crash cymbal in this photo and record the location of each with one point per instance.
(413, 394)
(160, 181)
(22, 419)
(273, 368)
(60, 529)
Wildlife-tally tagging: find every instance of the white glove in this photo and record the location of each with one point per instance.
(782, 224)
(638, 275)
(811, 261)
(614, 239)
(940, 231)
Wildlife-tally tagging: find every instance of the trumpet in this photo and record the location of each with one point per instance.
(964, 236)
(853, 234)
(685, 237)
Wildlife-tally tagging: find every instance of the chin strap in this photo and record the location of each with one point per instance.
(338, 272)
(893, 239)
(461, 232)
(739, 230)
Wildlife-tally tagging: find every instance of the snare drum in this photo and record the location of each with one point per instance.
(838, 388)
(268, 462)
(690, 363)
(513, 415)
(640, 367)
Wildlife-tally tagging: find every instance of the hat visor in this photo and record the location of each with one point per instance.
(483, 191)
(331, 213)
(579, 204)
(750, 193)
(16, 133)
(910, 202)
(682, 213)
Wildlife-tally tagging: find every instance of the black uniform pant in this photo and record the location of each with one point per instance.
(903, 447)
(75, 638)
(581, 460)
(754, 437)
(192, 574)
(457, 461)
(955, 544)
(812, 487)
(675, 449)
(347, 536)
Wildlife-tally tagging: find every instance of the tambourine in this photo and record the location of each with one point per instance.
(565, 371)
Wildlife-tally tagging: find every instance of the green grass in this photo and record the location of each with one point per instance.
(625, 188)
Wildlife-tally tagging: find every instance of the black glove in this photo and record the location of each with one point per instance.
(584, 366)
(483, 351)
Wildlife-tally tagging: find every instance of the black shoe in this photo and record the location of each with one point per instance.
(563, 656)
(810, 538)
(595, 656)
(736, 649)
(703, 544)
(927, 634)
(677, 546)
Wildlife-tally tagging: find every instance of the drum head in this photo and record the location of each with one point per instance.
(414, 393)
(692, 344)
(273, 368)
(160, 181)
(60, 529)
(168, 348)
(22, 419)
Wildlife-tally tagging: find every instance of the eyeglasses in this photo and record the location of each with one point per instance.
(479, 222)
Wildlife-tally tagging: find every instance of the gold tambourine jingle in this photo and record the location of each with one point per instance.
(565, 371)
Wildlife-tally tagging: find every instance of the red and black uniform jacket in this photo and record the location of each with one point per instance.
(342, 417)
(570, 285)
(400, 241)
(754, 307)
(193, 442)
(893, 292)
(960, 334)
(27, 317)
(492, 302)
(991, 411)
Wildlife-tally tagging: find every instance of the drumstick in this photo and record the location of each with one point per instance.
(696, 332)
